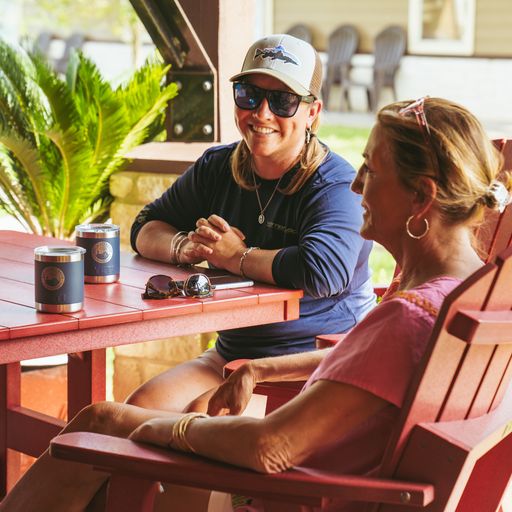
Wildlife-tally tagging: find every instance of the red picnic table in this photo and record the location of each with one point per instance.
(113, 314)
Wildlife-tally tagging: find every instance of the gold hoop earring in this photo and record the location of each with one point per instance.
(416, 237)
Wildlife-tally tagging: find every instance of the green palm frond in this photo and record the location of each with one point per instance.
(143, 87)
(144, 100)
(26, 179)
(19, 90)
(12, 196)
(139, 130)
(99, 211)
(13, 78)
(110, 123)
(61, 139)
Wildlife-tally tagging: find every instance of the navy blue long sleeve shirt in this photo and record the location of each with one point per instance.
(317, 230)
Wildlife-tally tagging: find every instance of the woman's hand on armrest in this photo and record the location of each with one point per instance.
(233, 395)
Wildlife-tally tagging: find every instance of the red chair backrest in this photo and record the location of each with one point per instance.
(464, 372)
(495, 233)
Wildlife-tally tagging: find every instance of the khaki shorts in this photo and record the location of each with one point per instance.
(212, 359)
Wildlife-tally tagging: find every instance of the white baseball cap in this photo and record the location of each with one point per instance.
(289, 59)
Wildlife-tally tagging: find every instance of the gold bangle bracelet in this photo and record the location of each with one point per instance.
(242, 259)
(178, 440)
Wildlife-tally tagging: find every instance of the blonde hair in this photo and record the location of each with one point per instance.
(457, 153)
(311, 157)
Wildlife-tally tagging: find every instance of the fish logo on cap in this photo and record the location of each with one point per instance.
(276, 53)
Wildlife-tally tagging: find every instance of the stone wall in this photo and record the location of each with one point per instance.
(135, 364)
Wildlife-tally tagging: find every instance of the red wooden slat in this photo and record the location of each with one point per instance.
(189, 470)
(498, 298)
(467, 391)
(171, 307)
(17, 292)
(86, 379)
(17, 271)
(462, 397)
(29, 240)
(493, 376)
(224, 299)
(4, 331)
(26, 321)
(435, 374)
(10, 396)
(121, 501)
(482, 327)
(17, 253)
(30, 431)
(501, 391)
(137, 278)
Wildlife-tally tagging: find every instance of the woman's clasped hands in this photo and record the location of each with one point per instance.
(216, 241)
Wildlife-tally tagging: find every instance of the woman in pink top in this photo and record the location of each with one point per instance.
(429, 171)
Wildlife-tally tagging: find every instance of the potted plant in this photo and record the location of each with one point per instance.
(61, 138)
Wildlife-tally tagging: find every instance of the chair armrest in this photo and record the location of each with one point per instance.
(232, 366)
(328, 340)
(379, 290)
(298, 485)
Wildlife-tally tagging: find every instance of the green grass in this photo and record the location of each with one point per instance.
(350, 143)
(346, 141)
(382, 265)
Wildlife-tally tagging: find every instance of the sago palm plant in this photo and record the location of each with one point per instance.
(62, 138)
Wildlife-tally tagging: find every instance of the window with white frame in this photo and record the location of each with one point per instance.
(438, 27)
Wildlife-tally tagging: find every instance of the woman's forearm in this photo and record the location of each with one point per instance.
(154, 240)
(288, 367)
(236, 440)
(322, 414)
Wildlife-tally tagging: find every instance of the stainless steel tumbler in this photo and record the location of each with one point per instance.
(101, 242)
(59, 279)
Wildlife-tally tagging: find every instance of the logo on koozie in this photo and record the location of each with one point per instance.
(102, 252)
(52, 278)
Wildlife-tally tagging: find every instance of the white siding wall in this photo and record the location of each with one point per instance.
(493, 33)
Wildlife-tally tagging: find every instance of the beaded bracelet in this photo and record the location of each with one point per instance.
(242, 258)
(178, 440)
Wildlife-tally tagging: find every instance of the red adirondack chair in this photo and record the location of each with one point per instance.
(451, 448)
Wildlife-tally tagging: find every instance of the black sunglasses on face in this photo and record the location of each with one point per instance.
(281, 103)
(164, 287)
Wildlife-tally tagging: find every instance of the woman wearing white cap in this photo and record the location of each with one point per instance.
(275, 207)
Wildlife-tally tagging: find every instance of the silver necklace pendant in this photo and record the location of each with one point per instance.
(261, 216)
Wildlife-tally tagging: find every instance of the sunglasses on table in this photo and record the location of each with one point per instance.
(163, 287)
(281, 103)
